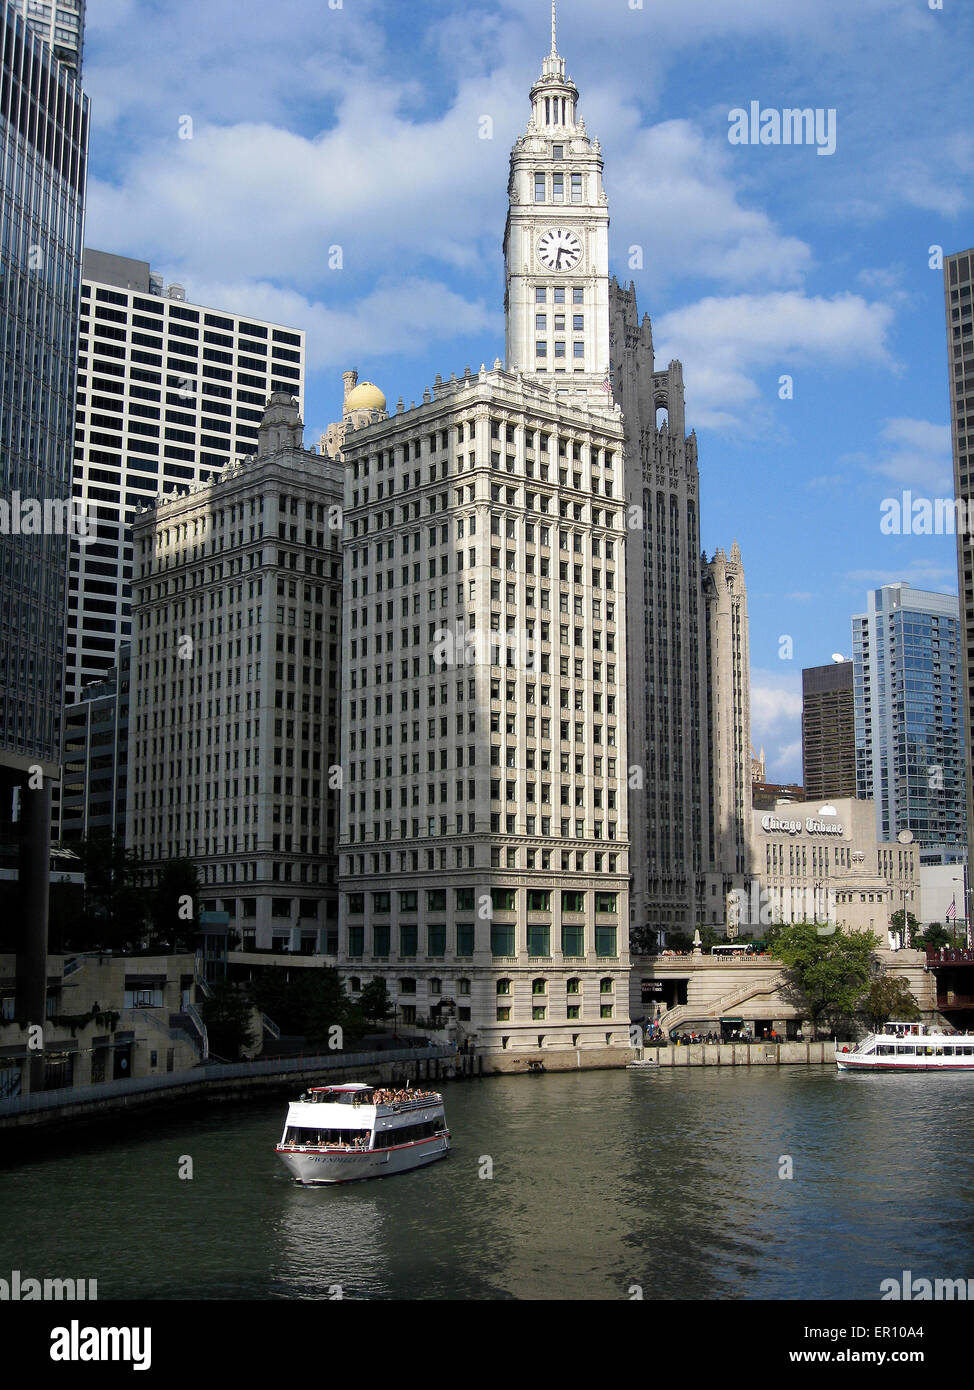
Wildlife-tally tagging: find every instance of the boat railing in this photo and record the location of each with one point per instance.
(396, 1106)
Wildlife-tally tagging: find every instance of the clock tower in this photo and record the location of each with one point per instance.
(556, 243)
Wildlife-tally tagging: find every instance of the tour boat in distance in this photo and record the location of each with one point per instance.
(341, 1133)
(909, 1047)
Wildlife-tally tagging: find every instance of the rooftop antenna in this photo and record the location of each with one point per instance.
(554, 31)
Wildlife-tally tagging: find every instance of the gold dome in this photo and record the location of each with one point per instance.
(365, 396)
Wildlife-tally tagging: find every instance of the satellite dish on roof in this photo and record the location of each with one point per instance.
(837, 656)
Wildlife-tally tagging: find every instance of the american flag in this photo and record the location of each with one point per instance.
(607, 387)
(951, 912)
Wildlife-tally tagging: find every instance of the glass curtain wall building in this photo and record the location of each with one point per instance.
(909, 718)
(43, 153)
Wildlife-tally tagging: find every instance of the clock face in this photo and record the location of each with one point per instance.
(559, 249)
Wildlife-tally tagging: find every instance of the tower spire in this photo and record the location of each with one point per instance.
(554, 31)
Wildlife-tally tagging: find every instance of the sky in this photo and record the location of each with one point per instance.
(236, 144)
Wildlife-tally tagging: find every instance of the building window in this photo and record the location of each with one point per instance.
(605, 941)
(572, 940)
(539, 185)
(465, 939)
(502, 939)
(539, 940)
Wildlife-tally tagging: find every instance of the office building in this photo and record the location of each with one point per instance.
(827, 865)
(233, 718)
(43, 150)
(958, 291)
(484, 855)
(828, 731)
(168, 393)
(95, 780)
(910, 756)
(688, 640)
(60, 24)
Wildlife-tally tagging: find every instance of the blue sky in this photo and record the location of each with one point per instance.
(358, 125)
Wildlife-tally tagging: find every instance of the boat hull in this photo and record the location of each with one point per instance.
(937, 1064)
(318, 1168)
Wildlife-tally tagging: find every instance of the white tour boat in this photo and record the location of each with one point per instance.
(340, 1133)
(909, 1047)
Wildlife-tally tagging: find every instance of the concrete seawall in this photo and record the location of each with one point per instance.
(755, 1054)
(221, 1085)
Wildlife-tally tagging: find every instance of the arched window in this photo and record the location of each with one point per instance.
(539, 986)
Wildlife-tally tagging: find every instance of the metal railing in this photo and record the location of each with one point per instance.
(205, 1075)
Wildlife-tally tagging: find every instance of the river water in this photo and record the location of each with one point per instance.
(603, 1183)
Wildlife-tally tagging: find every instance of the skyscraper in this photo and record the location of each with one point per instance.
(43, 150)
(61, 24)
(828, 731)
(909, 718)
(958, 292)
(689, 719)
(484, 853)
(169, 393)
(233, 708)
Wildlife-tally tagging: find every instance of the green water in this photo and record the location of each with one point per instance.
(601, 1181)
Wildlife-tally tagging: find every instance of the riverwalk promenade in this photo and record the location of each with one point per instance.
(227, 1082)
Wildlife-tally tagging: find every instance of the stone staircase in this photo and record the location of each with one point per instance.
(718, 1007)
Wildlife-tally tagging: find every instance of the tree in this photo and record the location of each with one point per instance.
(227, 1015)
(374, 1002)
(899, 916)
(174, 904)
(888, 998)
(114, 910)
(307, 1002)
(828, 974)
(934, 934)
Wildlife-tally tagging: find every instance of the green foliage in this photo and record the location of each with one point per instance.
(828, 974)
(306, 1002)
(114, 906)
(374, 1002)
(174, 906)
(227, 1015)
(935, 934)
(886, 999)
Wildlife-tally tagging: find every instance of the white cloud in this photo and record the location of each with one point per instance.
(917, 454)
(673, 196)
(937, 579)
(405, 315)
(724, 342)
(776, 712)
